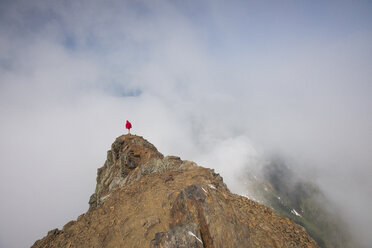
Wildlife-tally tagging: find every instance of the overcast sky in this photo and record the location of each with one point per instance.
(222, 83)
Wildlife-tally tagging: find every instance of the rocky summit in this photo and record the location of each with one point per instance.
(143, 199)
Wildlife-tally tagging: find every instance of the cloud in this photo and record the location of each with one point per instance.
(221, 84)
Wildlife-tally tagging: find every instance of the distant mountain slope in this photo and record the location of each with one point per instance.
(289, 195)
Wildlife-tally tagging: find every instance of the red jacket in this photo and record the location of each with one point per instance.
(128, 125)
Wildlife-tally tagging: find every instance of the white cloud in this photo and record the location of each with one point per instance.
(210, 83)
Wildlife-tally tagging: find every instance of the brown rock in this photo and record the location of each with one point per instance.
(144, 199)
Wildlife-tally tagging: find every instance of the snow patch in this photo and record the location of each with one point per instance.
(246, 196)
(252, 198)
(104, 198)
(293, 211)
(192, 234)
(211, 186)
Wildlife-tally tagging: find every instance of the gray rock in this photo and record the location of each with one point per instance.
(184, 236)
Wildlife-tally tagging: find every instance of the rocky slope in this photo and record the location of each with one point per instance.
(144, 199)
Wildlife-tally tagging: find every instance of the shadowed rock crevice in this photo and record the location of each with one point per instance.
(188, 207)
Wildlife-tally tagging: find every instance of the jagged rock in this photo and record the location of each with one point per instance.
(201, 204)
(144, 199)
(126, 154)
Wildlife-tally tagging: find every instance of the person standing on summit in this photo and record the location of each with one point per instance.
(128, 126)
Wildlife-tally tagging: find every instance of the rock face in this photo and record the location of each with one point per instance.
(144, 199)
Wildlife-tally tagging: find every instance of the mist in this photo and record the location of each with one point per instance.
(221, 84)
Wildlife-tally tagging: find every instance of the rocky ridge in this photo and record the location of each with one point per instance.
(143, 199)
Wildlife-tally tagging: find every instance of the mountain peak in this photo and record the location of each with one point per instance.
(143, 199)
